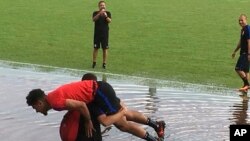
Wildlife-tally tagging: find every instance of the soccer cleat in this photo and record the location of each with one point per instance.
(104, 65)
(243, 90)
(160, 129)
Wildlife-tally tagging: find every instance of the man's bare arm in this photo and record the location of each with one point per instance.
(96, 17)
(80, 106)
(236, 49)
(83, 109)
(100, 13)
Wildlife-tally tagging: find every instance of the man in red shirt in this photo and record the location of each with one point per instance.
(76, 95)
(72, 125)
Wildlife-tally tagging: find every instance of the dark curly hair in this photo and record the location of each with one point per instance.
(89, 76)
(34, 95)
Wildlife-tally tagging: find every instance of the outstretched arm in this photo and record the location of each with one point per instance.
(83, 109)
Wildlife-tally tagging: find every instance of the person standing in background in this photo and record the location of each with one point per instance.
(102, 18)
(242, 66)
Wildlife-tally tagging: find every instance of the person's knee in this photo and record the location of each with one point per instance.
(129, 115)
(123, 127)
(238, 71)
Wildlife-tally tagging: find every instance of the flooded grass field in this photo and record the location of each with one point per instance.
(192, 112)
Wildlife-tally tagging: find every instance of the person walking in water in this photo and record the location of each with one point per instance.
(242, 65)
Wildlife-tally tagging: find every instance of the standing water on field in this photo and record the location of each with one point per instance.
(190, 112)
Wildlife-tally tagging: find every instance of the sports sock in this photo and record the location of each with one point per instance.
(152, 123)
(149, 137)
(246, 83)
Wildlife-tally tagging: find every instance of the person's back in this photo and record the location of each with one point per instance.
(80, 90)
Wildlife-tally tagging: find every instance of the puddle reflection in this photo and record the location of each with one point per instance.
(190, 115)
(240, 111)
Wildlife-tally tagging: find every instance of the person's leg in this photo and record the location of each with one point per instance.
(107, 100)
(81, 134)
(242, 69)
(244, 77)
(247, 76)
(105, 54)
(97, 43)
(134, 129)
(105, 46)
(159, 126)
(96, 134)
(95, 52)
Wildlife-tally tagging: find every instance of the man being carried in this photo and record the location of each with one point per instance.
(75, 96)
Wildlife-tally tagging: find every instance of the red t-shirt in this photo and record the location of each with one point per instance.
(80, 90)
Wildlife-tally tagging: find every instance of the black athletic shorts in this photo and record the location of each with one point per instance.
(106, 99)
(242, 63)
(101, 40)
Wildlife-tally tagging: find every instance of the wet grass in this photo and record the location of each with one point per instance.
(188, 41)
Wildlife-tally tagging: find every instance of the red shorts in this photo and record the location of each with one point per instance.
(69, 126)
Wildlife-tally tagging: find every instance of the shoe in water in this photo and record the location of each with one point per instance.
(244, 89)
(160, 129)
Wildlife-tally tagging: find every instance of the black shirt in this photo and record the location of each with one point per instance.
(245, 35)
(101, 24)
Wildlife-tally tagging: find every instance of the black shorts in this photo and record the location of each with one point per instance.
(242, 63)
(97, 136)
(106, 98)
(101, 40)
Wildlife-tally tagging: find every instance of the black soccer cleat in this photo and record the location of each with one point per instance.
(104, 65)
(160, 129)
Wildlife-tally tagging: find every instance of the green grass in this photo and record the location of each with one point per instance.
(187, 40)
